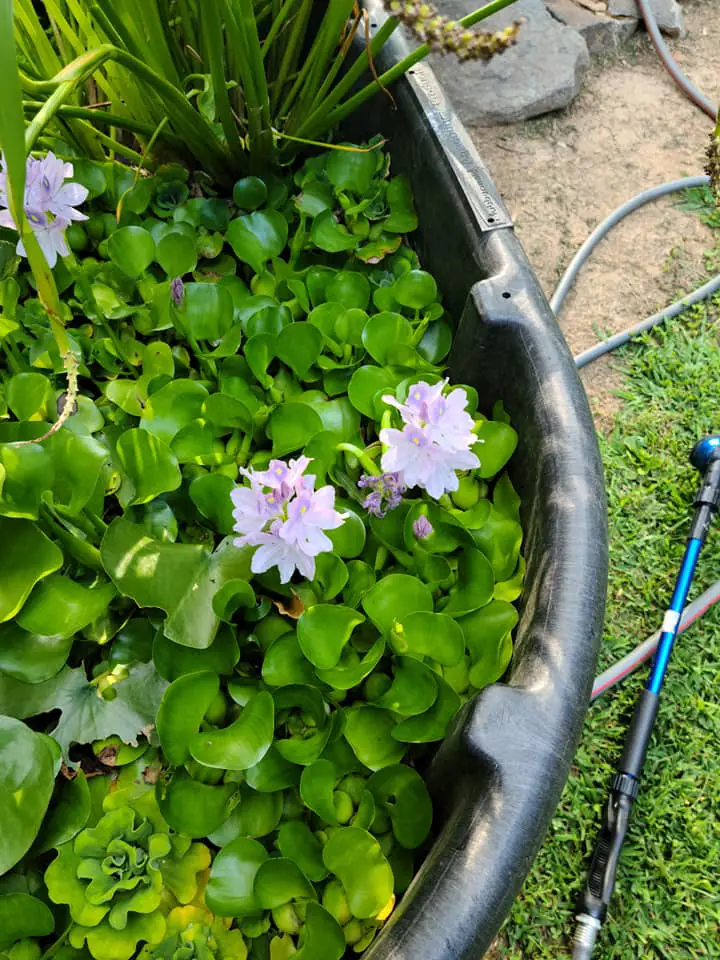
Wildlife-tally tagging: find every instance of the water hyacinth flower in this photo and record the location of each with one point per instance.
(435, 441)
(386, 492)
(177, 291)
(283, 515)
(422, 528)
(50, 204)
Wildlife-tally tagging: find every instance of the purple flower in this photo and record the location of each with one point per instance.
(49, 204)
(283, 515)
(422, 528)
(435, 441)
(387, 492)
(177, 291)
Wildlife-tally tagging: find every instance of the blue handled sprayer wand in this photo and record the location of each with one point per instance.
(705, 457)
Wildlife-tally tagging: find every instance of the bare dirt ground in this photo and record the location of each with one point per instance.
(630, 128)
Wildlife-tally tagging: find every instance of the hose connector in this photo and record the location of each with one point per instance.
(585, 936)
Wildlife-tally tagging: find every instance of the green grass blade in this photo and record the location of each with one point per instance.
(12, 122)
(215, 45)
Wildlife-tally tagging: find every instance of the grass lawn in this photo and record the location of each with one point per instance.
(667, 898)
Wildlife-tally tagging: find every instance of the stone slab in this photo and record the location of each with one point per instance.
(541, 73)
(603, 34)
(667, 13)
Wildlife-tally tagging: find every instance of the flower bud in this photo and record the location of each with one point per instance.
(335, 902)
(467, 493)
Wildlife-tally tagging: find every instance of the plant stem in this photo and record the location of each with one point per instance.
(53, 949)
(362, 456)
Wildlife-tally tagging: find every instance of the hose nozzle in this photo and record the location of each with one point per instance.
(585, 935)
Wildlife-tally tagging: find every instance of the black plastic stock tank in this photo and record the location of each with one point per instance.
(497, 778)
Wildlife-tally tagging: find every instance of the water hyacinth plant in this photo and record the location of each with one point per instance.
(257, 550)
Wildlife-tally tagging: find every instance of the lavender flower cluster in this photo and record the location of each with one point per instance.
(49, 204)
(283, 515)
(435, 440)
(386, 492)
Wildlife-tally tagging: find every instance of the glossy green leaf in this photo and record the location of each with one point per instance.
(351, 169)
(368, 730)
(475, 582)
(67, 815)
(256, 815)
(488, 637)
(26, 785)
(402, 793)
(249, 193)
(222, 410)
(402, 217)
(149, 467)
(206, 312)
(415, 289)
(361, 577)
(284, 663)
(258, 237)
(173, 407)
(158, 360)
(350, 288)
(395, 597)
(354, 856)
(27, 556)
(352, 669)
(323, 631)
(299, 345)
(279, 881)
(500, 539)
(30, 396)
(273, 773)
(132, 249)
(31, 658)
(368, 383)
(321, 937)
(437, 342)
(433, 724)
(498, 443)
(339, 417)
(505, 498)
(348, 540)
(241, 745)
(181, 579)
(511, 588)
(22, 916)
(291, 426)
(331, 236)
(211, 495)
(181, 712)
(434, 635)
(79, 462)
(61, 607)
(176, 253)
(306, 745)
(317, 788)
(232, 596)
(173, 661)
(27, 473)
(384, 333)
(314, 198)
(296, 841)
(413, 691)
(230, 889)
(192, 808)
(129, 395)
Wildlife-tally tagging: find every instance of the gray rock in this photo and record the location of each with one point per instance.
(542, 72)
(602, 34)
(667, 13)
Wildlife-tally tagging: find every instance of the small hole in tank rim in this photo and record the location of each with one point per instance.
(506, 295)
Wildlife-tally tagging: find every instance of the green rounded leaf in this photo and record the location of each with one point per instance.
(488, 637)
(279, 881)
(393, 598)
(273, 773)
(26, 557)
(323, 631)
(413, 690)
(350, 288)
(30, 396)
(435, 635)
(299, 345)
(181, 712)
(369, 731)
(173, 407)
(244, 743)
(249, 193)
(384, 333)
(258, 237)
(173, 661)
(402, 793)
(348, 540)
(256, 815)
(368, 384)
(291, 426)
(331, 236)
(317, 786)
(26, 785)
(211, 495)
(415, 289)
(176, 253)
(207, 311)
(500, 539)
(498, 443)
(193, 808)
(296, 841)
(433, 724)
(27, 473)
(352, 669)
(59, 607)
(230, 889)
(23, 916)
(31, 658)
(351, 169)
(149, 467)
(321, 937)
(132, 249)
(68, 814)
(354, 856)
(284, 663)
(475, 583)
